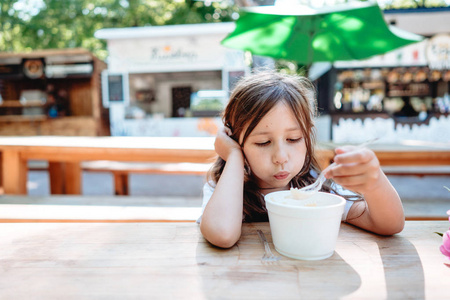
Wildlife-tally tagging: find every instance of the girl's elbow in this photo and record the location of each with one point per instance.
(220, 238)
(392, 228)
(398, 227)
(223, 242)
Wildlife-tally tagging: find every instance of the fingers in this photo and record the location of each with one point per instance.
(360, 183)
(352, 154)
(354, 183)
(227, 130)
(357, 168)
(354, 164)
(351, 169)
(224, 144)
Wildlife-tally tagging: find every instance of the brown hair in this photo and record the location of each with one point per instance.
(252, 98)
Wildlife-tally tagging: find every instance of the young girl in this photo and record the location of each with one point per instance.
(267, 145)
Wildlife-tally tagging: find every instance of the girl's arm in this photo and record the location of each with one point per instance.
(221, 221)
(358, 170)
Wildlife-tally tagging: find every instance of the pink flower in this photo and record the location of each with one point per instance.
(445, 247)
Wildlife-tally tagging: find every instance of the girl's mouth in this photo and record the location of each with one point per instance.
(281, 175)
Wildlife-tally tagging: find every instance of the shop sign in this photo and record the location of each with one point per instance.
(62, 71)
(166, 55)
(438, 52)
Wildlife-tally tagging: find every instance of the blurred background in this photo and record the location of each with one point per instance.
(158, 68)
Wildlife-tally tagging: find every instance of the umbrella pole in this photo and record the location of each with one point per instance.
(310, 48)
(309, 58)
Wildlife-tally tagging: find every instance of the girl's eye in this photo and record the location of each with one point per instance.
(262, 144)
(295, 140)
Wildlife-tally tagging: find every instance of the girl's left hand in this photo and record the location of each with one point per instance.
(358, 169)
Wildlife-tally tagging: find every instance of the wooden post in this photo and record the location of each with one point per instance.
(65, 178)
(56, 174)
(14, 173)
(72, 177)
(1, 174)
(120, 183)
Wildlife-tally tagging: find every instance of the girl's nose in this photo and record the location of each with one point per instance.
(280, 156)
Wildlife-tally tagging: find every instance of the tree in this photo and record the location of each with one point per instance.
(42, 24)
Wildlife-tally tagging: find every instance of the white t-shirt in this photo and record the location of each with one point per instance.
(208, 190)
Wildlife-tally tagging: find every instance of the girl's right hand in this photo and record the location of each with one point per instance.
(225, 145)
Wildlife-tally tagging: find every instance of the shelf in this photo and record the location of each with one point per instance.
(373, 85)
(22, 118)
(17, 103)
(407, 94)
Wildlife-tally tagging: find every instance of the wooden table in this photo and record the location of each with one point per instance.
(406, 153)
(65, 154)
(173, 261)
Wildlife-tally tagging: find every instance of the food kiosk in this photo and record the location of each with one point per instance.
(52, 92)
(403, 94)
(169, 80)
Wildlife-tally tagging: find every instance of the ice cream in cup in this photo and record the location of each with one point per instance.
(305, 229)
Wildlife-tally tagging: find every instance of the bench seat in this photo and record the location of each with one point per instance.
(419, 171)
(147, 209)
(121, 170)
(14, 209)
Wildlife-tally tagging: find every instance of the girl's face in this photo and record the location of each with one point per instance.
(275, 149)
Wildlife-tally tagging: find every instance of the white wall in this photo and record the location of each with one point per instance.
(421, 23)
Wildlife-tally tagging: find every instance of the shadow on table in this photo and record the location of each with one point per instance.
(239, 273)
(404, 274)
(353, 269)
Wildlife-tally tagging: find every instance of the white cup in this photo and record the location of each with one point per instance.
(303, 231)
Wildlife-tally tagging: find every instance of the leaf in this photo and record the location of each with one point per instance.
(439, 233)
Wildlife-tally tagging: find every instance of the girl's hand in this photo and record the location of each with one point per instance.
(225, 145)
(358, 169)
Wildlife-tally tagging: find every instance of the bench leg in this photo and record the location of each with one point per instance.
(72, 177)
(56, 176)
(65, 178)
(121, 183)
(14, 173)
(1, 174)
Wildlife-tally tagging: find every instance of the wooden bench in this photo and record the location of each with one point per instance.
(121, 170)
(83, 209)
(419, 171)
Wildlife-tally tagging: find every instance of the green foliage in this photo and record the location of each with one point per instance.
(42, 24)
(26, 25)
(411, 4)
(208, 104)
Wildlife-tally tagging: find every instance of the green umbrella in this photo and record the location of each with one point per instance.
(351, 31)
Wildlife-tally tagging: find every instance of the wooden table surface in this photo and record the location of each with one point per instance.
(173, 261)
(64, 155)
